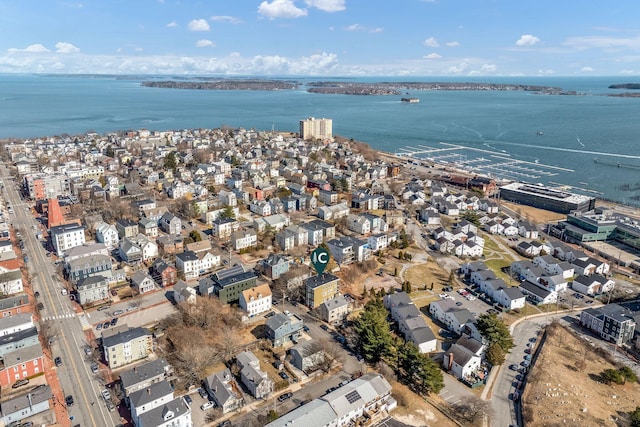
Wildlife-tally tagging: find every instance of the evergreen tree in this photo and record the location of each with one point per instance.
(418, 370)
(635, 417)
(170, 161)
(195, 236)
(494, 330)
(373, 332)
(495, 354)
(228, 213)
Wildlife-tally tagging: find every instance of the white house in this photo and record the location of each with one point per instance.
(184, 293)
(65, 237)
(107, 234)
(256, 300)
(142, 282)
(188, 264)
(461, 362)
(510, 297)
(243, 239)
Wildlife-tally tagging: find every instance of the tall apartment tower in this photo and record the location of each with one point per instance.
(313, 128)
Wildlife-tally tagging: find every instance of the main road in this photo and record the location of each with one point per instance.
(74, 375)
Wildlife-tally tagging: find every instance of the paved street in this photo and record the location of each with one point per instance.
(74, 374)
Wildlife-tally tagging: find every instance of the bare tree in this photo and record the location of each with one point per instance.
(48, 332)
(473, 410)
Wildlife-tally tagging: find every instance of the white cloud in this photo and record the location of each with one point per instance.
(432, 55)
(431, 42)
(327, 5)
(205, 43)
(459, 68)
(226, 19)
(587, 69)
(280, 9)
(527, 40)
(453, 44)
(64, 47)
(488, 68)
(34, 48)
(172, 24)
(354, 27)
(199, 25)
(546, 72)
(377, 30)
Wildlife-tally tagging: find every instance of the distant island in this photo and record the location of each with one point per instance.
(345, 88)
(395, 88)
(634, 86)
(225, 84)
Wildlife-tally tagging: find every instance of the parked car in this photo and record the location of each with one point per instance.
(513, 367)
(269, 314)
(324, 327)
(99, 327)
(284, 397)
(305, 328)
(58, 361)
(203, 393)
(87, 350)
(104, 307)
(284, 375)
(36, 294)
(118, 312)
(188, 400)
(207, 405)
(105, 394)
(106, 325)
(69, 400)
(20, 383)
(40, 306)
(94, 368)
(114, 321)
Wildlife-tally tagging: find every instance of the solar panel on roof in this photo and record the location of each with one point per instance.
(353, 396)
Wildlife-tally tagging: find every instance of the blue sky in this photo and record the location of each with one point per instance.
(322, 37)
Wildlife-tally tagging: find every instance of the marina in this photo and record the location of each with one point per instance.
(498, 166)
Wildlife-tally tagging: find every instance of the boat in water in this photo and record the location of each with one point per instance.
(410, 100)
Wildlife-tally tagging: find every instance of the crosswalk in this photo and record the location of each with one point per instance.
(60, 316)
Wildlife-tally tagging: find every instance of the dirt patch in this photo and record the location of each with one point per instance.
(535, 215)
(415, 411)
(564, 387)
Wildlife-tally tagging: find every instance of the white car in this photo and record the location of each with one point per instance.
(207, 405)
(105, 394)
(470, 297)
(443, 296)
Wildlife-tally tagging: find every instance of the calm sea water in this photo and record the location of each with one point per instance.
(557, 136)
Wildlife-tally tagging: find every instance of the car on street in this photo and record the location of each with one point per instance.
(118, 312)
(225, 423)
(284, 375)
(40, 306)
(324, 327)
(527, 357)
(99, 327)
(87, 350)
(20, 383)
(513, 367)
(589, 301)
(94, 368)
(443, 295)
(105, 394)
(114, 321)
(36, 294)
(269, 314)
(104, 307)
(458, 303)
(284, 396)
(305, 328)
(207, 405)
(58, 361)
(106, 325)
(69, 400)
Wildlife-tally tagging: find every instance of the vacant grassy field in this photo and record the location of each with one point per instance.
(564, 387)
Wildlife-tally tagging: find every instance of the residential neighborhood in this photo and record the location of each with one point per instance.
(182, 262)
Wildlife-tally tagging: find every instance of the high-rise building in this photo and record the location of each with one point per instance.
(313, 128)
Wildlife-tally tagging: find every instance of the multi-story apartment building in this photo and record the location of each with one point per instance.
(122, 345)
(41, 186)
(65, 237)
(320, 288)
(92, 265)
(613, 322)
(313, 128)
(256, 300)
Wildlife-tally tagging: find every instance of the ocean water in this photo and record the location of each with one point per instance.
(588, 142)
